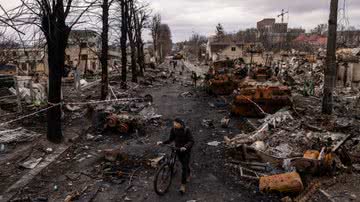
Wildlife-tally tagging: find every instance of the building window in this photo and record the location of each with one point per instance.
(233, 49)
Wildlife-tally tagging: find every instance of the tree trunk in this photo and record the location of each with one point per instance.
(131, 34)
(104, 51)
(123, 40)
(330, 69)
(141, 57)
(56, 66)
(155, 49)
(133, 60)
(56, 61)
(138, 22)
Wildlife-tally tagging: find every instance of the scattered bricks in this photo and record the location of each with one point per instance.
(283, 183)
(311, 154)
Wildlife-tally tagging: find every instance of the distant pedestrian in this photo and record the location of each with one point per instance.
(174, 64)
(195, 78)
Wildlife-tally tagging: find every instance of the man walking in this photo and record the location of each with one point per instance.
(184, 141)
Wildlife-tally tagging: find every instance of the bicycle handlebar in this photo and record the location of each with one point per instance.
(173, 147)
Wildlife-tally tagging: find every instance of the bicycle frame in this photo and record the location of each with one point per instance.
(169, 162)
(172, 158)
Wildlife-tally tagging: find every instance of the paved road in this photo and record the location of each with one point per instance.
(208, 181)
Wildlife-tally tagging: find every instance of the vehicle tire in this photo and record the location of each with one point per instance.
(163, 179)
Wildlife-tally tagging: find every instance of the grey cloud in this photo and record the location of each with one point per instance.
(186, 16)
(201, 16)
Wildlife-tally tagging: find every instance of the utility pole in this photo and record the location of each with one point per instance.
(330, 68)
(282, 14)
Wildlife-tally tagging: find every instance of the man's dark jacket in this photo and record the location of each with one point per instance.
(182, 138)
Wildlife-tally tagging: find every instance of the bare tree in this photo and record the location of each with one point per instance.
(131, 35)
(320, 29)
(195, 44)
(52, 18)
(105, 49)
(141, 18)
(165, 42)
(124, 30)
(155, 33)
(7, 46)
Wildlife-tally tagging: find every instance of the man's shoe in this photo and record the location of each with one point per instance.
(182, 189)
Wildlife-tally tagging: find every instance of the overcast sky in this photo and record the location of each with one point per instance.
(201, 16)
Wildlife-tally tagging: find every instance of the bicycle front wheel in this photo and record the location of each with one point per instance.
(163, 179)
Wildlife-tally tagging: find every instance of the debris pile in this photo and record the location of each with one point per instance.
(304, 77)
(125, 118)
(223, 78)
(284, 146)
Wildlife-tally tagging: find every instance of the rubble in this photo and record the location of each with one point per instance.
(225, 122)
(149, 114)
(214, 143)
(30, 92)
(112, 154)
(17, 135)
(208, 123)
(31, 163)
(156, 161)
(289, 147)
(90, 137)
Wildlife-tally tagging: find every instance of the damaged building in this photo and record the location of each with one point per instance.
(82, 53)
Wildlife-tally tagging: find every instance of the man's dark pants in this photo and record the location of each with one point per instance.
(184, 158)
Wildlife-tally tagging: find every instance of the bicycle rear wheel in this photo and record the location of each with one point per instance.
(163, 179)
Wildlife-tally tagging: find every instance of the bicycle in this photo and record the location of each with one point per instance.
(166, 172)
